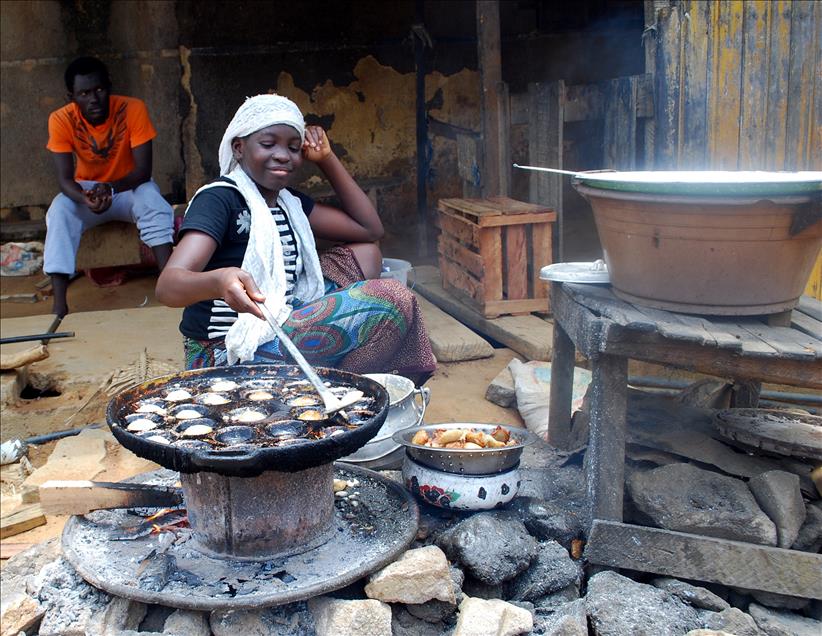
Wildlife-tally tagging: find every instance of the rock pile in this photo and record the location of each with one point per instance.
(491, 573)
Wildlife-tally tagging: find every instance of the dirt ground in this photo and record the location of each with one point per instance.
(112, 327)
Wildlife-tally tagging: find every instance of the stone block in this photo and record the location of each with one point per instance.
(416, 577)
(337, 617)
(492, 617)
(18, 613)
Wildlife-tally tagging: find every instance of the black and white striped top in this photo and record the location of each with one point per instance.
(223, 214)
(222, 316)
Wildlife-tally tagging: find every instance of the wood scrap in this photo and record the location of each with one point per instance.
(529, 335)
(58, 497)
(23, 519)
(19, 298)
(690, 556)
(451, 341)
(8, 550)
(14, 360)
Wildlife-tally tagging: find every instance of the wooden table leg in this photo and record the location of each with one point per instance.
(562, 382)
(605, 463)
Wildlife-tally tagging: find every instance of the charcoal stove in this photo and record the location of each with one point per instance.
(264, 525)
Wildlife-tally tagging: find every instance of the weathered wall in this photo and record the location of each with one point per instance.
(136, 39)
(739, 85)
(349, 65)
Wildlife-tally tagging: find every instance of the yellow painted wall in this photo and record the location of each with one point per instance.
(814, 287)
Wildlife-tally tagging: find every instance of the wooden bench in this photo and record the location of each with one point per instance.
(113, 244)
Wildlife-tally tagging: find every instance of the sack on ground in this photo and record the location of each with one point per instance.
(532, 384)
(21, 259)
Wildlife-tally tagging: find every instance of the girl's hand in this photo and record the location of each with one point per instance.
(240, 292)
(316, 146)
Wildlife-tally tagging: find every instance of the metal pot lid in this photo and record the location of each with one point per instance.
(577, 272)
(705, 182)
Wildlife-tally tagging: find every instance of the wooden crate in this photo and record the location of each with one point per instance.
(491, 251)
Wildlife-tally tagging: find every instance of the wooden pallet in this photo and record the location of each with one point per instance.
(491, 251)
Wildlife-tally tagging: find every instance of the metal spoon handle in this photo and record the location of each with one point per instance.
(327, 396)
(554, 170)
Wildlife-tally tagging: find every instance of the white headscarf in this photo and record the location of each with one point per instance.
(264, 255)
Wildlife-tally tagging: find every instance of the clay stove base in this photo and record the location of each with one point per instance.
(381, 528)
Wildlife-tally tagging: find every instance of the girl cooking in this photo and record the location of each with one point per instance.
(248, 238)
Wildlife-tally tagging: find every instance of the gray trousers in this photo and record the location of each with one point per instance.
(66, 221)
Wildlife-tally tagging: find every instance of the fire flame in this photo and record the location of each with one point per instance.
(159, 513)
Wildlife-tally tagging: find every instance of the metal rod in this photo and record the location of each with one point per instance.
(553, 170)
(668, 383)
(42, 439)
(39, 336)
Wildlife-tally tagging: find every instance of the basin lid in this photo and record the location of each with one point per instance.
(596, 272)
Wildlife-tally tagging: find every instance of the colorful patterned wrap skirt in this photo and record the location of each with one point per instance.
(361, 326)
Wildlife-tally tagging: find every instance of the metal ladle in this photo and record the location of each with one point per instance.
(332, 402)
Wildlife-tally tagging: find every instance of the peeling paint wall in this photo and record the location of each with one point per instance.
(39, 39)
(349, 65)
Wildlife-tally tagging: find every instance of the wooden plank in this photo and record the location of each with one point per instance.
(525, 306)
(529, 336)
(649, 41)
(541, 255)
(21, 520)
(458, 227)
(516, 266)
(693, 145)
(602, 302)
(588, 331)
(803, 78)
(503, 111)
(457, 278)
(794, 372)
(545, 149)
(562, 379)
(586, 102)
(467, 164)
(787, 342)
(8, 550)
(605, 470)
(475, 209)
(519, 219)
(667, 105)
(690, 556)
(778, 66)
(490, 70)
(756, 18)
(451, 341)
(749, 344)
(491, 252)
(806, 324)
(724, 85)
(810, 306)
(58, 497)
(460, 254)
(619, 144)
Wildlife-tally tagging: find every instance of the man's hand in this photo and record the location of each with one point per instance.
(98, 198)
(316, 146)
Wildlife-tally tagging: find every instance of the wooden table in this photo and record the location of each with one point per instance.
(609, 331)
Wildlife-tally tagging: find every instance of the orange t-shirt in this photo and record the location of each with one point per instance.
(103, 153)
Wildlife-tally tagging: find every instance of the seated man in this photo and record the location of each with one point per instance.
(110, 138)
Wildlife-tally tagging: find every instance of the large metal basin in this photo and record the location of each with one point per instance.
(707, 247)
